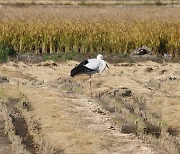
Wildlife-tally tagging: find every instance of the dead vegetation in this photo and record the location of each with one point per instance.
(15, 141)
(55, 109)
(22, 3)
(21, 129)
(132, 116)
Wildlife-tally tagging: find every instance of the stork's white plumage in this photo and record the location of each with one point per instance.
(90, 66)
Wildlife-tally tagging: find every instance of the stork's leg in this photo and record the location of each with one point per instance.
(90, 80)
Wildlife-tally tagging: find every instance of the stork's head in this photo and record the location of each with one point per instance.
(100, 57)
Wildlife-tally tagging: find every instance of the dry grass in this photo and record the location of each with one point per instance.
(19, 142)
(155, 97)
(90, 2)
(78, 13)
(16, 145)
(66, 125)
(90, 29)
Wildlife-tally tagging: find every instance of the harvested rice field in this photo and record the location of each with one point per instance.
(134, 108)
(135, 103)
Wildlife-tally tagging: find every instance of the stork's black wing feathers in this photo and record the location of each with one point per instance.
(80, 69)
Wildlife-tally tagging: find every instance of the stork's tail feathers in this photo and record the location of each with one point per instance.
(73, 72)
(79, 68)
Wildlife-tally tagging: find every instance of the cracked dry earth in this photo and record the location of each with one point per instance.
(65, 119)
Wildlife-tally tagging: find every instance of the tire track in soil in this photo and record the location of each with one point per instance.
(20, 126)
(77, 120)
(5, 144)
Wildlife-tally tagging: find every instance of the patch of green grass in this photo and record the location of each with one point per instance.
(118, 57)
(3, 56)
(117, 121)
(1, 92)
(3, 96)
(71, 55)
(77, 89)
(6, 53)
(159, 3)
(63, 56)
(53, 57)
(74, 55)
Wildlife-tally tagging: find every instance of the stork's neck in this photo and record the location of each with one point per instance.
(102, 65)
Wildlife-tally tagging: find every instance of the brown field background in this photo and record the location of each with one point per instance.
(91, 2)
(85, 13)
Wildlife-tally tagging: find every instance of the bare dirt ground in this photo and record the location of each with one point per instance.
(53, 113)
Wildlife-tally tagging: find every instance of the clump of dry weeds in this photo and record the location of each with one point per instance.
(21, 129)
(132, 116)
(16, 146)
